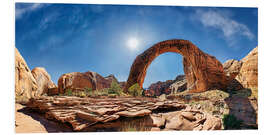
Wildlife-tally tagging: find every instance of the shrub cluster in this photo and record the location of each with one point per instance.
(135, 90)
(231, 122)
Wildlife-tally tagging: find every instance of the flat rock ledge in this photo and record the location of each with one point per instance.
(81, 113)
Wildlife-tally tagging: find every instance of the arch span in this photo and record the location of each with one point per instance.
(202, 71)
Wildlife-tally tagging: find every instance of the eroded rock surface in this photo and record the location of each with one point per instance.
(25, 83)
(232, 68)
(186, 120)
(202, 71)
(83, 113)
(79, 81)
(43, 79)
(248, 75)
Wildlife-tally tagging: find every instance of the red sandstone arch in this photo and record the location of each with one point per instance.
(203, 71)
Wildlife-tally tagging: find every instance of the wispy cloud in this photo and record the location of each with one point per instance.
(222, 21)
(21, 9)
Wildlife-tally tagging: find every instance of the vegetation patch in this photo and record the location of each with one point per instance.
(135, 90)
(231, 122)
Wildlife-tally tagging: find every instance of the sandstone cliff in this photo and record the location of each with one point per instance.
(79, 81)
(248, 75)
(25, 83)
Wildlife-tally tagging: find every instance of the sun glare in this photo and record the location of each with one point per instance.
(133, 43)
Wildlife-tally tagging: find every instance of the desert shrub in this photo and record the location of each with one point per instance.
(231, 122)
(82, 94)
(68, 92)
(135, 90)
(88, 91)
(115, 88)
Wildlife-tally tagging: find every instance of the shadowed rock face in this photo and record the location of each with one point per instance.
(202, 71)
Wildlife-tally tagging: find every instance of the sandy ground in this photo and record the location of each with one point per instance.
(30, 122)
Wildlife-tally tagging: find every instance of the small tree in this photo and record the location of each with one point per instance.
(135, 90)
(115, 88)
(68, 92)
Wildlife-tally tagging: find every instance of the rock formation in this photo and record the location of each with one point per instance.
(202, 71)
(244, 72)
(232, 68)
(179, 85)
(79, 81)
(168, 87)
(83, 113)
(248, 75)
(43, 79)
(25, 83)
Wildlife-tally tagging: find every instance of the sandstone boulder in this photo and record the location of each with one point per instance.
(25, 83)
(212, 123)
(232, 68)
(79, 81)
(186, 120)
(43, 79)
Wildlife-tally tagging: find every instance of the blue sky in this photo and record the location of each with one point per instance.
(67, 38)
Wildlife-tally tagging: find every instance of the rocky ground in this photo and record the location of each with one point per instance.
(31, 122)
(117, 114)
(243, 104)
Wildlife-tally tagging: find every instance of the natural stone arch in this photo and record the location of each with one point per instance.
(202, 71)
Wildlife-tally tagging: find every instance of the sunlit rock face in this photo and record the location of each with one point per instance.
(248, 75)
(25, 83)
(79, 81)
(244, 71)
(232, 68)
(43, 80)
(202, 71)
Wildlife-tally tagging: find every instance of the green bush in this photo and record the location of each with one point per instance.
(68, 92)
(231, 122)
(135, 90)
(88, 91)
(115, 88)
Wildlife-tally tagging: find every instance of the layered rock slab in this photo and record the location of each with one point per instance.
(83, 113)
(202, 70)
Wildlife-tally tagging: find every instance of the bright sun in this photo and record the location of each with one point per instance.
(133, 43)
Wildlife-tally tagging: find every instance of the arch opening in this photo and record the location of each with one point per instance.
(166, 66)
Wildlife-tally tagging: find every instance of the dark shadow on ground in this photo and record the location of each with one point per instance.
(50, 126)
